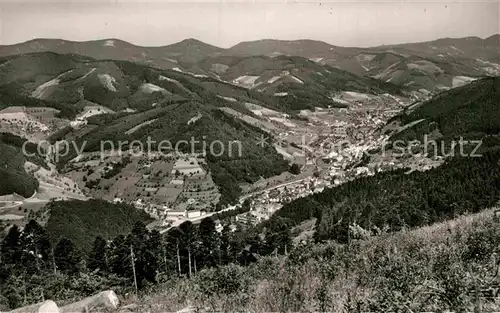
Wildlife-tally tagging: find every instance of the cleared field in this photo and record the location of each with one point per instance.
(264, 125)
(135, 128)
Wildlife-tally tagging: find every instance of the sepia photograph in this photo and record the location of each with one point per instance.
(249, 156)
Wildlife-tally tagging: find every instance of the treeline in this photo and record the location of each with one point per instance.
(33, 267)
(395, 200)
(237, 211)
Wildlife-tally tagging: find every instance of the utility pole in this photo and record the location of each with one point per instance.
(178, 258)
(189, 257)
(132, 258)
(54, 261)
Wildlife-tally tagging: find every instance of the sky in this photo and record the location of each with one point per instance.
(226, 23)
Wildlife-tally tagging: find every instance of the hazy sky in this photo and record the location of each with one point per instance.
(225, 23)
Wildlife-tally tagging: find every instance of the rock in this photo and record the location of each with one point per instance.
(106, 299)
(48, 306)
(188, 309)
(129, 308)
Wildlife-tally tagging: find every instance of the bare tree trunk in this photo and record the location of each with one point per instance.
(132, 257)
(220, 258)
(54, 261)
(106, 258)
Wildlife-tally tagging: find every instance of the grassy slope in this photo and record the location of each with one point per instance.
(429, 269)
(83, 221)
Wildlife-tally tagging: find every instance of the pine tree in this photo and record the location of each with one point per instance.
(10, 256)
(279, 236)
(152, 256)
(98, 256)
(209, 238)
(147, 251)
(236, 245)
(172, 247)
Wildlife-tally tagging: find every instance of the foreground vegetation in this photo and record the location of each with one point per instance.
(429, 269)
(452, 265)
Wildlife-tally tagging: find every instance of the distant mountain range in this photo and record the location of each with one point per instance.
(186, 52)
(427, 66)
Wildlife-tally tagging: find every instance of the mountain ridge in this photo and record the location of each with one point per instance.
(444, 60)
(488, 38)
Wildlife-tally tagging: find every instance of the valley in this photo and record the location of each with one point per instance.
(189, 165)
